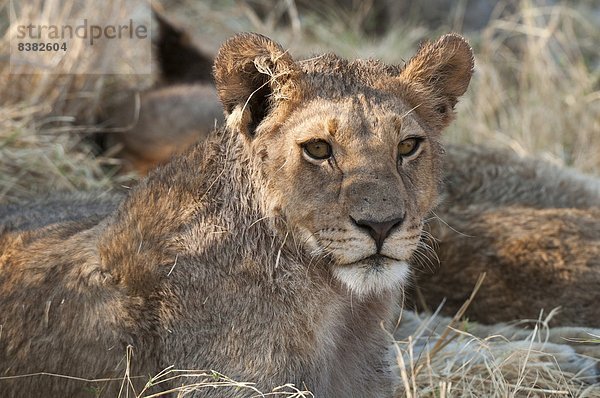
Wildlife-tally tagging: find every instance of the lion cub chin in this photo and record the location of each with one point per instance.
(243, 255)
(373, 275)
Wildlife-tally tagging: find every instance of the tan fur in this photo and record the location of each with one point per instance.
(535, 259)
(496, 177)
(153, 125)
(534, 228)
(242, 254)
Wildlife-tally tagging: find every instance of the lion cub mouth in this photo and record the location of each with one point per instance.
(373, 275)
(376, 262)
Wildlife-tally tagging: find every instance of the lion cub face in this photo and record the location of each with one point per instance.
(365, 177)
(349, 152)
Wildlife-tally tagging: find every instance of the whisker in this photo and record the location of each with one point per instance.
(453, 229)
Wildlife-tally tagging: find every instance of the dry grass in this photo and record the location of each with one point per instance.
(438, 359)
(537, 87)
(44, 118)
(448, 357)
(188, 381)
(536, 90)
(471, 366)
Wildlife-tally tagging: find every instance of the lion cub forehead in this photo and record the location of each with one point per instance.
(329, 76)
(355, 117)
(331, 66)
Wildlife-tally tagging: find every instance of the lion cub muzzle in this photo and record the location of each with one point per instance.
(376, 207)
(378, 257)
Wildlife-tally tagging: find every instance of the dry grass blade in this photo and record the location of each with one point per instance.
(443, 340)
(487, 364)
(202, 379)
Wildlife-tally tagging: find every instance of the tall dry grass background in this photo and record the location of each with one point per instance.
(536, 90)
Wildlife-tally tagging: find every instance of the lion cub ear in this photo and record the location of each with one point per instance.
(252, 73)
(443, 71)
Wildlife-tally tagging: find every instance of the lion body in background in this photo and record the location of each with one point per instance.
(274, 252)
(153, 125)
(532, 227)
(146, 128)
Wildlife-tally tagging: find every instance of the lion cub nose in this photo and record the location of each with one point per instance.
(378, 230)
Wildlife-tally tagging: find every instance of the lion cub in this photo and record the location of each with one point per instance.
(272, 253)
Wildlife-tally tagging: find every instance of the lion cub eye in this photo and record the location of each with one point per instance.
(408, 147)
(317, 149)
